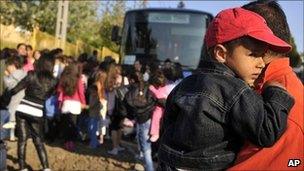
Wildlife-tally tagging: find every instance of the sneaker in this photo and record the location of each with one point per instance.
(9, 125)
(119, 148)
(72, 146)
(114, 151)
(67, 145)
(139, 156)
(12, 139)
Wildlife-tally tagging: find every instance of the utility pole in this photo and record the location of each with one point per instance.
(62, 22)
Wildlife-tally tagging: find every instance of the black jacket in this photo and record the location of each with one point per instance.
(94, 103)
(208, 116)
(38, 86)
(134, 108)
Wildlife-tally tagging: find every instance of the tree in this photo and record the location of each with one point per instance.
(29, 14)
(112, 14)
(140, 4)
(294, 56)
(83, 23)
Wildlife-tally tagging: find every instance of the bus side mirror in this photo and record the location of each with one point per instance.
(115, 37)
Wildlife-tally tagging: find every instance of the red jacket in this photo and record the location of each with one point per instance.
(290, 145)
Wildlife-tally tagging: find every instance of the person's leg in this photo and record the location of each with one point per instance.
(74, 119)
(64, 125)
(119, 135)
(3, 165)
(72, 135)
(22, 132)
(145, 144)
(92, 129)
(114, 135)
(36, 128)
(12, 130)
(114, 150)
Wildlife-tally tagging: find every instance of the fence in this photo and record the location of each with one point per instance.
(10, 36)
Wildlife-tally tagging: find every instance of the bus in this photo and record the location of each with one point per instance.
(158, 34)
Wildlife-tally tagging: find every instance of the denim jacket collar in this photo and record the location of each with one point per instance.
(216, 67)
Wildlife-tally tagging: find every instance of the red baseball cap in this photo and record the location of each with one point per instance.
(234, 23)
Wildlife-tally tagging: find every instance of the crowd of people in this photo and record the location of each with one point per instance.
(53, 96)
(242, 110)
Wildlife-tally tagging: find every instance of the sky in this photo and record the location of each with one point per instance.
(293, 10)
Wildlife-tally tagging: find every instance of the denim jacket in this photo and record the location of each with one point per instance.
(208, 115)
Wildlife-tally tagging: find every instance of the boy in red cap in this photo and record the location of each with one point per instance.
(288, 152)
(209, 115)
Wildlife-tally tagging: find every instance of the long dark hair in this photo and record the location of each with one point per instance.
(137, 79)
(158, 78)
(69, 79)
(43, 68)
(100, 79)
(44, 64)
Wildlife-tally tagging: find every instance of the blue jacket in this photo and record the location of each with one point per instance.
(208, 115)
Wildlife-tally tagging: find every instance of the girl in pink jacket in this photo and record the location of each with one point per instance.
(161, 91)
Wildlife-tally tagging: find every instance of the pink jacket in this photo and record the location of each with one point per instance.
(28, 66)
(160, 93)
(78, 95)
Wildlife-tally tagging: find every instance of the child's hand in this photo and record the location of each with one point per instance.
(128, 123)
(154, 138)
(6, 73)
(273, 83)
(83, 106)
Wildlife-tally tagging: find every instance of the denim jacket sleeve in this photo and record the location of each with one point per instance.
(170, 113)
(261, 119)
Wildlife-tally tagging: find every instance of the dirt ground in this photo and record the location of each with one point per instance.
(83, 158)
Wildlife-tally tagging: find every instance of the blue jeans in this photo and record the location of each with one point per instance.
(92, 129)
(2, 156)
(4, 118)
(145, 144)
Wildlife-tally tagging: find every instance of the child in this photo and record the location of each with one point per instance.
(13, 74)
(209, 115)
(139, 104)
(71, 100)
(121, 87)
(161, 91)
(39, 85)
(290, 145)
(97, 103)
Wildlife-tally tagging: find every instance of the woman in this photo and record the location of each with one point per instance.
(97, 108)
(39, 85)
(139, 104)
(71, 98)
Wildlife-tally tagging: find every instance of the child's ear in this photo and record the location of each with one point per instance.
(220, 53)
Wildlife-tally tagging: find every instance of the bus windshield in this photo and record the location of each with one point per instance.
(177, 36)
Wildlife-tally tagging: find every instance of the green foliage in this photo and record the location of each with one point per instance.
(294, 56)
(82, 18)
(112, 14)
(29, 14)
(84, 23)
